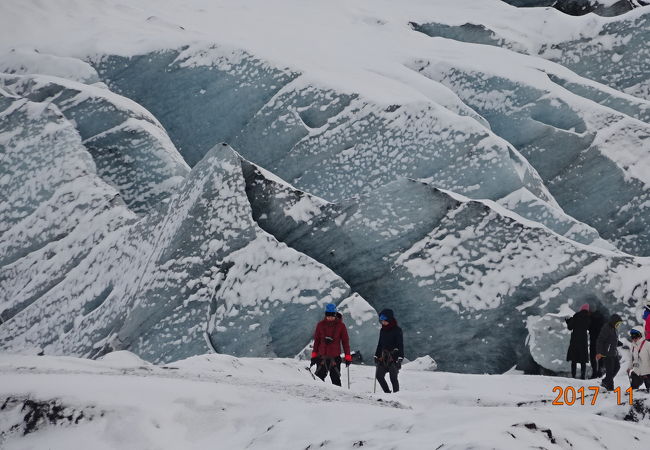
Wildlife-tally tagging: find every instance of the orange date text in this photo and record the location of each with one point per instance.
(569, 396)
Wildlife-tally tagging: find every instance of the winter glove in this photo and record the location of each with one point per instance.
(377, 360)
(348, 360)
(399, 362)
(329, 339)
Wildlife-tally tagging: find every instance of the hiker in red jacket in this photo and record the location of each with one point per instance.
(330, 335)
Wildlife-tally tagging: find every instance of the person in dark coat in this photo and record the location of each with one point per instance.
(597, 322)
(331, 334)
(606, 348)
(390, 351)
(578, 351)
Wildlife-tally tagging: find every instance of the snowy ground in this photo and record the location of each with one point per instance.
(218, 401)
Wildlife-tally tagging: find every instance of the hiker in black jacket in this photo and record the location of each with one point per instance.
(578, 351)
(606, 348)
(390, 351)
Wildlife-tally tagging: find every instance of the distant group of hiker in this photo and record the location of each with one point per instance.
(331, 335)
(595, 339)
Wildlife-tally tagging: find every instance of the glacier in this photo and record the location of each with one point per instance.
(609, 51)
(129, 147)
(568, 140)
(91, 276)
(320, 140)
(481, 168)
(326, 142)
(457, 270)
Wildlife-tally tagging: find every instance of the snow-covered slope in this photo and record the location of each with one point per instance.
(218, 401)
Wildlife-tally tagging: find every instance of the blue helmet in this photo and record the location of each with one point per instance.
(330, 308)
(386, 314)
(636, 332)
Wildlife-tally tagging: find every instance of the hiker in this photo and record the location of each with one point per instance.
(329, 336)
(390, 351)
(578, 351)
(639, 369)
(646, 317)
(595, 325)
(606, 348)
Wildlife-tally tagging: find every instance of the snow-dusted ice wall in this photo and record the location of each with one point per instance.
(479, 168)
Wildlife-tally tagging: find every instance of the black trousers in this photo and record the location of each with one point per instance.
(583, 369)
(636, 381)
(331, 365)
(380, 374)
(612, 366)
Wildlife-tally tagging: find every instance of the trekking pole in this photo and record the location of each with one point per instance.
(374, 387)
(348, 367)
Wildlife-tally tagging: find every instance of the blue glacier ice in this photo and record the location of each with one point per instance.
(83, 274)
(612, 52)
(574, 143)
(54, 207)
(334, 144)
(481, 169)
(454, 270)
(129, 147)
(327, 142)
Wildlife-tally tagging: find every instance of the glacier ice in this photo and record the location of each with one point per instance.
(331, 143)
(214, 103)
(130, 148)
(564, 138)
(573, 143)
(83, 275)
(454, 270)
(54, 207)
(526, 204)
(327, 142)
(108, 241)
(612, 52)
